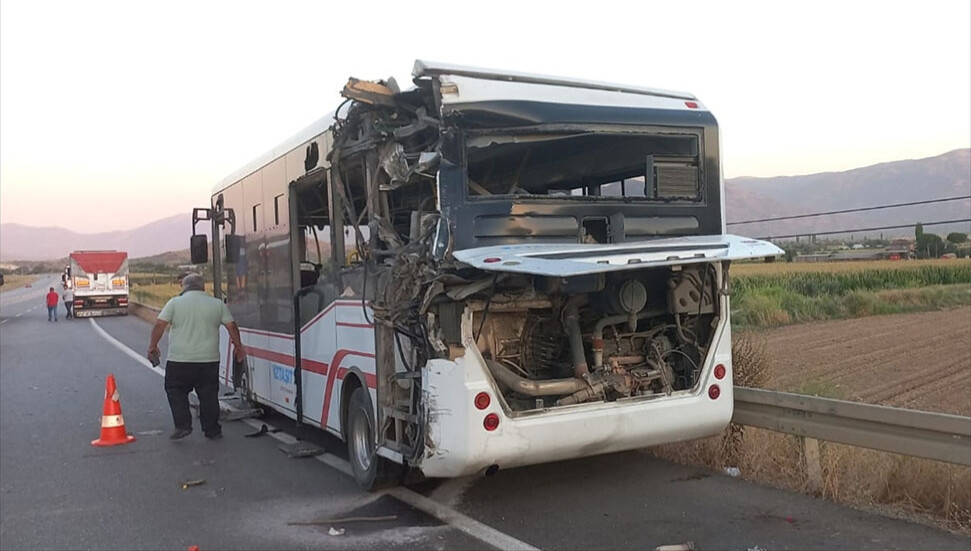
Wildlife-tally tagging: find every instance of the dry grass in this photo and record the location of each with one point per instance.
(154, 295)
(917, 489)
(15, 281)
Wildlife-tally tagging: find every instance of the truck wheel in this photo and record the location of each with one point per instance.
(370, 471)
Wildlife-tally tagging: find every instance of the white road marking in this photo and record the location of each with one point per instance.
(142, 360)
(446, 514)
(453, 518)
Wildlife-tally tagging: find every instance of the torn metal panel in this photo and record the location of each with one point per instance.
(372, 93)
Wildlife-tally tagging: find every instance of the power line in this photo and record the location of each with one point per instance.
(927, 202)
(861, 230)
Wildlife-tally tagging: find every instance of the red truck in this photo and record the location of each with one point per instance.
(100, 282)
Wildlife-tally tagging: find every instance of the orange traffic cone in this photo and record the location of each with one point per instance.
(112, 423)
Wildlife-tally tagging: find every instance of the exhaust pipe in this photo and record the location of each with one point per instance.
(549, 387)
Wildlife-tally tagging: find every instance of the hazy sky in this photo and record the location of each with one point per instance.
(114, 114)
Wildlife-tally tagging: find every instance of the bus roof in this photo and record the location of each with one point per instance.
(424, 68)
(431, 68)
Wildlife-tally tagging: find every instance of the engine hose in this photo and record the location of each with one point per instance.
(549, 387)
(571, 323)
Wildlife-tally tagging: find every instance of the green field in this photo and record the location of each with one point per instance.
(778, 294)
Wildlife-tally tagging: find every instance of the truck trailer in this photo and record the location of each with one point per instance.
(100, 282)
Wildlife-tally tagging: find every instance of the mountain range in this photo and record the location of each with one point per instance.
(940, 177)
(746, 198)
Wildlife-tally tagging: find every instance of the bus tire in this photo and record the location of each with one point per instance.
(371, 471)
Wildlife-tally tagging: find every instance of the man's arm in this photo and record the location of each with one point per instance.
(157, 331)
(239, 352)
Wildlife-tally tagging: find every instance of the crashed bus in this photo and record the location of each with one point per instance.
(485, 270)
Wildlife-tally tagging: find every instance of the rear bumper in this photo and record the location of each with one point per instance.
(457, 443)
(97, 312)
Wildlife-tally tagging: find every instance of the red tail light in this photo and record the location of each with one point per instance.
(714, 392)
(491, 422)
(720, 371)
(482, 400)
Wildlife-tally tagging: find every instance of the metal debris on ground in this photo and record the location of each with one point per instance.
(188, 483)
(335, 532)
(155, 432)
(263, 431)
(686, 546)
(347, 520)
(235, 415)
(300, 449)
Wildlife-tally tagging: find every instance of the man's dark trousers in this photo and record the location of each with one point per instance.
(180, 379)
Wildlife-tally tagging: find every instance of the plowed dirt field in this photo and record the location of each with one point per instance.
(918, 361)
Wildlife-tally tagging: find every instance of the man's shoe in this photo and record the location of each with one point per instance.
(215, 435)
(180, 433)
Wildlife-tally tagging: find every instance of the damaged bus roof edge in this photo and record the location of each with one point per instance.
(425, 68)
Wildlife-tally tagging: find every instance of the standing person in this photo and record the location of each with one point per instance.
(52, 305)
(193, 357)
(68, 297)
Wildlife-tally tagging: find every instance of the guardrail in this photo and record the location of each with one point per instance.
(143, 311)
(909, 432)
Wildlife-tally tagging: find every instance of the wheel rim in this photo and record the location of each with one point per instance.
(360, 435)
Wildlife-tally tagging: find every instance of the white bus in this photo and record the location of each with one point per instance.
(484, 271)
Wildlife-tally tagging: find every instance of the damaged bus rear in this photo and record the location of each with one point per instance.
(539, 267)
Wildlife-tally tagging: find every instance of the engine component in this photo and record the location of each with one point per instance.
(690, 292)
(551, 387)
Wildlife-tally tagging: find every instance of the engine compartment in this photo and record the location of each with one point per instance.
(604, 337)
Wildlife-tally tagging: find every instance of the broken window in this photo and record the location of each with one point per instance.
(598, 165)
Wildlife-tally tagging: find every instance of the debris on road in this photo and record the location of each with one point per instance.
(188, 483)
(732, 471)
(155, 432)
(335, 532)
(263, 431)
(686, 546)
(300, 449)
(347, 520)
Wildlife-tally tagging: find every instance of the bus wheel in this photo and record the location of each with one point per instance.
(370, 471)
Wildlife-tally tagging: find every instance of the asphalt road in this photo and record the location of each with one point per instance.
(59, 492)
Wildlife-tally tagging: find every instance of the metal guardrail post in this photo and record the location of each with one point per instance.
(936, 436)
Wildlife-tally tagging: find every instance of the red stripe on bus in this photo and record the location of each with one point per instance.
(335, 365)
(370, 380)
(306, 364)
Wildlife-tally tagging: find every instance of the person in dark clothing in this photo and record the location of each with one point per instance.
(194, 318)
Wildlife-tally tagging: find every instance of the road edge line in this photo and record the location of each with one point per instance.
(124, 348)
(463, 523)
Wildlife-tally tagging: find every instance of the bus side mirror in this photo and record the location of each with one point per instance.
(234, 244)
(199, 249)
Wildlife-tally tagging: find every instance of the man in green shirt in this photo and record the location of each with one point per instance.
(194, 318)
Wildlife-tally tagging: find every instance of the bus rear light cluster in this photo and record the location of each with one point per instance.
(714, 392)
(491, 422)
(482, 400)
(720, 371)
